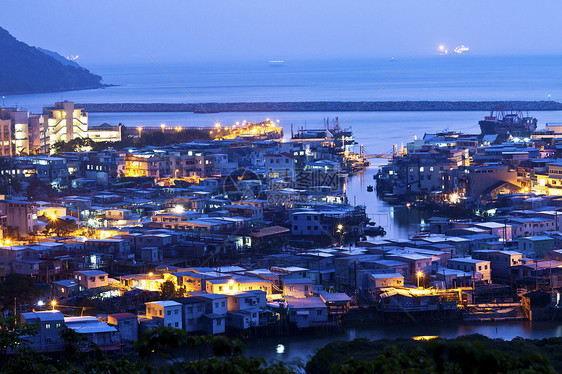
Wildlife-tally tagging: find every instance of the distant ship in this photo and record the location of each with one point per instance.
(461, 49)
(501, 121)
(276, 62)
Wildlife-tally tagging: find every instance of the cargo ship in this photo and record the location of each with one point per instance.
(501, 121)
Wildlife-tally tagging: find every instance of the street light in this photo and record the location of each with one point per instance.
(140, 130)
(163, 126)
(53, 304)
(420, 274)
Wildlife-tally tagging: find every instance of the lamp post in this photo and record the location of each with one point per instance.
(419, 274)
(53, 304)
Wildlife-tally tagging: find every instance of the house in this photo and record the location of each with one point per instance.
(337, 303)
(247, 300)
(307, 312)
(168, 312)
(297, 287)
(536, 246)
(66, 288)
(500, 261)
(193, 309)
(49, 326)
(468, 264)
(91, 278)
(214, 320)
(126, 325)
(98, 333)
(380, 280)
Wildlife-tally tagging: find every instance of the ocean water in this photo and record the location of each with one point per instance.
(459, 77)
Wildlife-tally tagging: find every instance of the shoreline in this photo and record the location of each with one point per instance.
(324, 106)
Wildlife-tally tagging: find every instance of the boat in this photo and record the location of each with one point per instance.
(502, 122)
(374, 231)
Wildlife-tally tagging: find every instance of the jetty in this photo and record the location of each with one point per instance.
(324, 106)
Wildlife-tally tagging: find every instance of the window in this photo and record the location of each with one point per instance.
(295, 227)
(223, 304)
(177, 324)
(176, 311)
(220, 288)
(190, 309)
(47, 326)
(58, 325)
(219, 322)
(217, 304)
(169, 312)
(319, 312)
(160, 312)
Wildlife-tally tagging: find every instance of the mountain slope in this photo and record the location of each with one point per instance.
(25, 69)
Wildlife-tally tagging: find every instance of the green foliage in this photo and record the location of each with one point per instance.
(13, 335)
(469, 354)
(20, 288)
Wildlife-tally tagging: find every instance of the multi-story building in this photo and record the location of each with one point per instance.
(168, 312)
(62, 122)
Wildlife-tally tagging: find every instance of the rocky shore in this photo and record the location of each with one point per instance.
(326, 106)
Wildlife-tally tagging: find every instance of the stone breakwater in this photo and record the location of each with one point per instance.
(326, 106)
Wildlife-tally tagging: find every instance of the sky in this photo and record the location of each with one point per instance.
(115, 31)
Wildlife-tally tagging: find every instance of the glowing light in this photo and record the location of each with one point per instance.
(425, 337)
(40, 303)
(8, 241)
(340, 227)
(441, 47)
(53, 304)
(150, 274)
(420, 274)
(179, 209)
(54, 217)
(454, 198)
(280, 348)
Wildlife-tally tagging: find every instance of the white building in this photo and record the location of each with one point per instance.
(169, 312)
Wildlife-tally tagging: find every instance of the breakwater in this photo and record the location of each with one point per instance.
(325, 106)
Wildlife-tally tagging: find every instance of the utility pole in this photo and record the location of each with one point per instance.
(15, 305)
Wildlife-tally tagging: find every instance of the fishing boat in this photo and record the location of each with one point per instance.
(501, 121)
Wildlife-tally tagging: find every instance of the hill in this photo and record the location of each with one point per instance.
(26, 69)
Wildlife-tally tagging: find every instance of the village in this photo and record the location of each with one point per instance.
(243, 232)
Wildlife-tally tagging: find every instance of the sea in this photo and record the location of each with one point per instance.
(450, 77)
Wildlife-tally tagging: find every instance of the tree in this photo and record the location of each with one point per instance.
(20, 287)
(167, 290)
(61, 227)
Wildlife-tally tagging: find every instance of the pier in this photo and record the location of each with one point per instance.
(323, 106)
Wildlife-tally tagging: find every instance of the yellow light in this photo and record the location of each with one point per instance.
(454, 198)
(150, 274)
(139, 128)
(8, 241)
(425, 337)
(53, 304)
(340, 227)
(420, 274)
(54, 217)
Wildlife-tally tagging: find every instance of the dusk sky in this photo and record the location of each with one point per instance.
(118, 31)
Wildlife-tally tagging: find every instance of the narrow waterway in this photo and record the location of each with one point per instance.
(302, 347)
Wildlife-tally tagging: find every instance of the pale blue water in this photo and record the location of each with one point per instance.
(463, 77)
